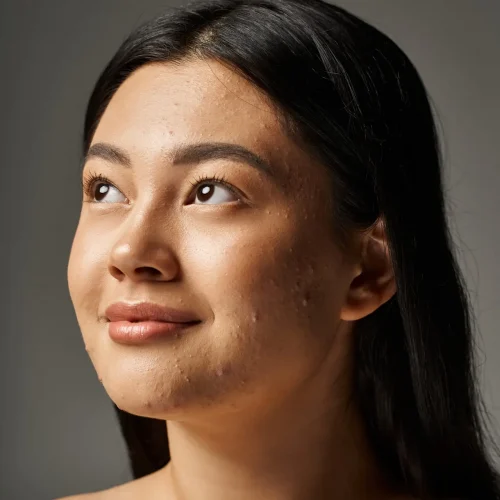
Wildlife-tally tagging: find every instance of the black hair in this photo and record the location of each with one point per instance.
(356, 102)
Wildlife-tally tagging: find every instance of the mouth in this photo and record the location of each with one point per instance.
(148, 311)
(140, 332)
(136, 323)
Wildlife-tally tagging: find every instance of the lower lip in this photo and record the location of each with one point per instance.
(126, 332)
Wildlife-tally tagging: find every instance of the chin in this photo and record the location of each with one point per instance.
(165, 406)
(152, 393)
(173, 396)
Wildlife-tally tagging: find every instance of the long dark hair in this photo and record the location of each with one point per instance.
(353, 98)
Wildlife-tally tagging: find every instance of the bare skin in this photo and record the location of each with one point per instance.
(256, 398)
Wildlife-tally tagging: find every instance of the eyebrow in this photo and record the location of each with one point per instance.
(184, 154)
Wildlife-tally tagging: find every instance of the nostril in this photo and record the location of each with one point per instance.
(148, 271)
(116, 273)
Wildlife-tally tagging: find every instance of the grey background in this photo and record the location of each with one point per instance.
(58, 433)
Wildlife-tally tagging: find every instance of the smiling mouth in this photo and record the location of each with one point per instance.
(147, 311)
(140, 332)
(138, 322)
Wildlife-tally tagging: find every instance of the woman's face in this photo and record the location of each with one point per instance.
(254, 260)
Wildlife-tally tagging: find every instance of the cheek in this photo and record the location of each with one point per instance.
(275, 299)
(86, 273)
(280, 267)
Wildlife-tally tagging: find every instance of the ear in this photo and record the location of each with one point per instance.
(373, 282)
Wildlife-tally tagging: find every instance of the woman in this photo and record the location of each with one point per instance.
(263, 269)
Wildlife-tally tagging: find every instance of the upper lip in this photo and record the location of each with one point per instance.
(147, 311)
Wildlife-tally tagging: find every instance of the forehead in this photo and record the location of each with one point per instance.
(162, 104)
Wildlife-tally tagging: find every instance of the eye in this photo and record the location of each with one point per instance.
(100, 190)
(106, 193)
(213, 191)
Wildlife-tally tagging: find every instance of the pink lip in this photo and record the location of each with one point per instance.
(140, 322)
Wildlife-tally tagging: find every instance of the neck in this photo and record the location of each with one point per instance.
(299, 449)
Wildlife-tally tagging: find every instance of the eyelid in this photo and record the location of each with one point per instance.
(89, 182)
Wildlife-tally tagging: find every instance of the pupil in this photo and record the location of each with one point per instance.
(101, 190)
(205, 192)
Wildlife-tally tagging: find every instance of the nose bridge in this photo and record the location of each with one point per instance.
(145, 242)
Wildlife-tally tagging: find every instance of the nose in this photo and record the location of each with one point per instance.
(142, 254)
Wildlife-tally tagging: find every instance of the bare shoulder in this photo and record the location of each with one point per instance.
(83, 496)
(124, 491)
(97, 495)
(109, 494)
(145, 487)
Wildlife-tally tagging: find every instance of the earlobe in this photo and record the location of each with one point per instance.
(375, 284)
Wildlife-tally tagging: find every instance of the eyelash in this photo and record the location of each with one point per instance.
(89, 183)
(214, 179)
